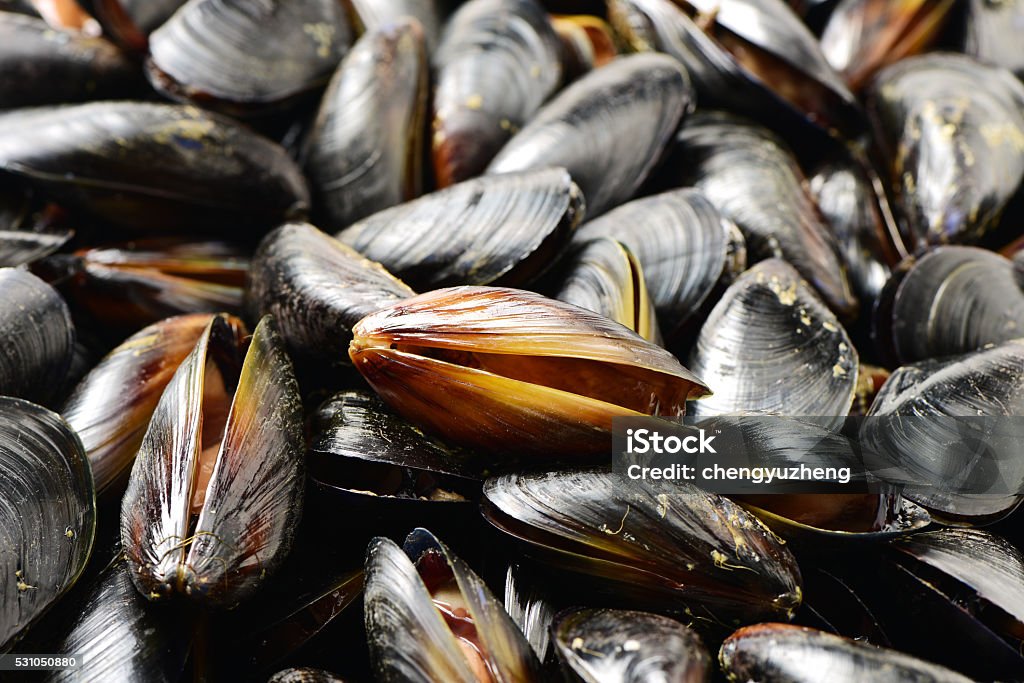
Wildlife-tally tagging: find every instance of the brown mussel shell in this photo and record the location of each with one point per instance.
(505, 370)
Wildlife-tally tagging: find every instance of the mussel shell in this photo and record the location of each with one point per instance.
(992, 33)
(751, 176)
(118, 636)
(26, 236)
(954, 300)
(684, 245)
(254, 498)
(409, 639)
(505, 229)
(863, 36)
(781, 653)
(365, 148)
(771, 345)
(38, 336)
(510, 371)
(317, 289)
(152, 167)
(663, 546)
(916, 421)
(129, 22)
(953, 133)
(530, 601)
(497, 63)
(617, 646)
(603, 276)
(112, 406)
(208, 51)
(375, 14)
(47, 513)
(304, 675)
(39, 65)
(607, 129)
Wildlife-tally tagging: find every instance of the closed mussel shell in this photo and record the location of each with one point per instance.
(317, 289)
(771, 345)
(505, 229)
(506, 370)
(664, 546)
(41, 66)
(752, 177)
(953, 132)
(684, 245)
(781, 653)
(112, 406)
(608, 129)
(603, 276)
(152, 167)
(216, 491)
(430, 618)
(217, 53)
(619, 646)
(376, 14)
(992, 32)
(47, 513)
(497, 63)
(38, 336)
(365, 148)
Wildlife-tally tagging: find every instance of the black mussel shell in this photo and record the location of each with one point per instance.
(365, 150)
(608, 129)
(317, 289)
(38, 336)
(375, 14)
(27, 235)
(992, 33)
(208, 53)
(504, 230)
(498, 61)
(154, 167)
(47, 513)
(129, 22)
(618, 646)
(304, 675)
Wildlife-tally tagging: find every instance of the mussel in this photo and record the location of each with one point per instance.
(430, 618)
(375, 14)
(506, 230)
(27, 235)
(510, 371)
(497, 63)
(47, 513)
(129, 22)
(608, 129)
(992, 32)
(216, 491)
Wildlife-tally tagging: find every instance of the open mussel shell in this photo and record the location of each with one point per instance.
(317, 289)
(771, 345)
(505, 229)
(782, 653)
(216, 491)
(608, 129)
(364, 448)
(752, 56)
(206, 52)
(951, 430)
(863, 36)
(118, 636)
(41, 66)
(127, 286)
(618, 646)
(376, 14)
(430, 618)
(365, 148)
(47, 513)
(752, 177)
(498, 61)
(952, 130)
(506, 370)
(663, 546)
(112, 406)
(603, 276)
(954, 300)
(152, 167)
(129, 22)
(38, 336)
(684, 245)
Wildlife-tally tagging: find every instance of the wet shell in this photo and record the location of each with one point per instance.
(607, 129)
(376, 14)
(771, 345)
(129, 22)
(505, 229)
(506, 370)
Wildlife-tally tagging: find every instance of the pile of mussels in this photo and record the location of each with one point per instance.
(315, 315)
